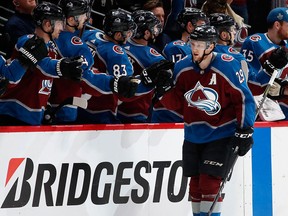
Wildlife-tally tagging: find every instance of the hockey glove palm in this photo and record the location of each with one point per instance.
(125, 86)
(70, 68)
(277, 89)
(243, 140)
(150, 75)
(32, 51)
(277, 60)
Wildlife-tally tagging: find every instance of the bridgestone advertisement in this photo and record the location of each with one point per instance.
(131, 172)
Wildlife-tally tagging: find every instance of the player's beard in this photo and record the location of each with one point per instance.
(283, 35)
(151, 40)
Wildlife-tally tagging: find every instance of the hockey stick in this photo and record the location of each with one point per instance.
(235, 151)
(74, 101)
(270, 83)
(226, 178)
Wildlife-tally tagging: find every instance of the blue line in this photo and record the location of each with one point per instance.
(262, 173)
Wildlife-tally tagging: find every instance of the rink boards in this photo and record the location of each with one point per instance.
(131, 170)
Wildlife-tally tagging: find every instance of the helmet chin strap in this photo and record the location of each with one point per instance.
(73, 26)
(203, 56)
(52, 22)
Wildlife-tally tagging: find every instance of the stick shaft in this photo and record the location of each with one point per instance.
(270, 83)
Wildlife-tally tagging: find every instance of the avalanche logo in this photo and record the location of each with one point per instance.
(232, 50)
(179, 42)
(154, 52)
(255, 38)
(76, 40)
(226, 57)
(46, 87)
(203, 98)
(118, 50)
(100, 36)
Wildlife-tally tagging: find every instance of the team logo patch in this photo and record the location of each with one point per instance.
(118, 50)
(255, 38)
(76, 40)
(180, 43)
(232, 50)
(154, 52)
(46, 87)
(100, 36)
(203, 98)
(226, 57)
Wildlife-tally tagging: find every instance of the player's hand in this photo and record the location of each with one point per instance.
(32, 51)
(164, 82)
(277, 89)
(125, 86)
(70, 68)
(150, 75)
(277, 60)
(243, 140)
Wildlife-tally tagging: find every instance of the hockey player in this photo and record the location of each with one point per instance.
(219, 113)
(257, 49)
(69, 44)
(141, 56)
(226, 29)
(24, 103)
(109, 58)
(12, 72)
(188, 19)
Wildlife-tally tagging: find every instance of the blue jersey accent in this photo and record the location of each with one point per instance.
(12, 71)
(176, 50)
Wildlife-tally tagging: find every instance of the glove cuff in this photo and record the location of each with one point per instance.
(58, 66)
(114, 83)
(28, 55)
(244, 133)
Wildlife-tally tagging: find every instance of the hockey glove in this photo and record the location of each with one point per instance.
(70, 68)
(164, 82)
(32, 51)
(277, 60)
(49, 115)
(149, 75)
(277, 89)
(125, 86)
(243, 140)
